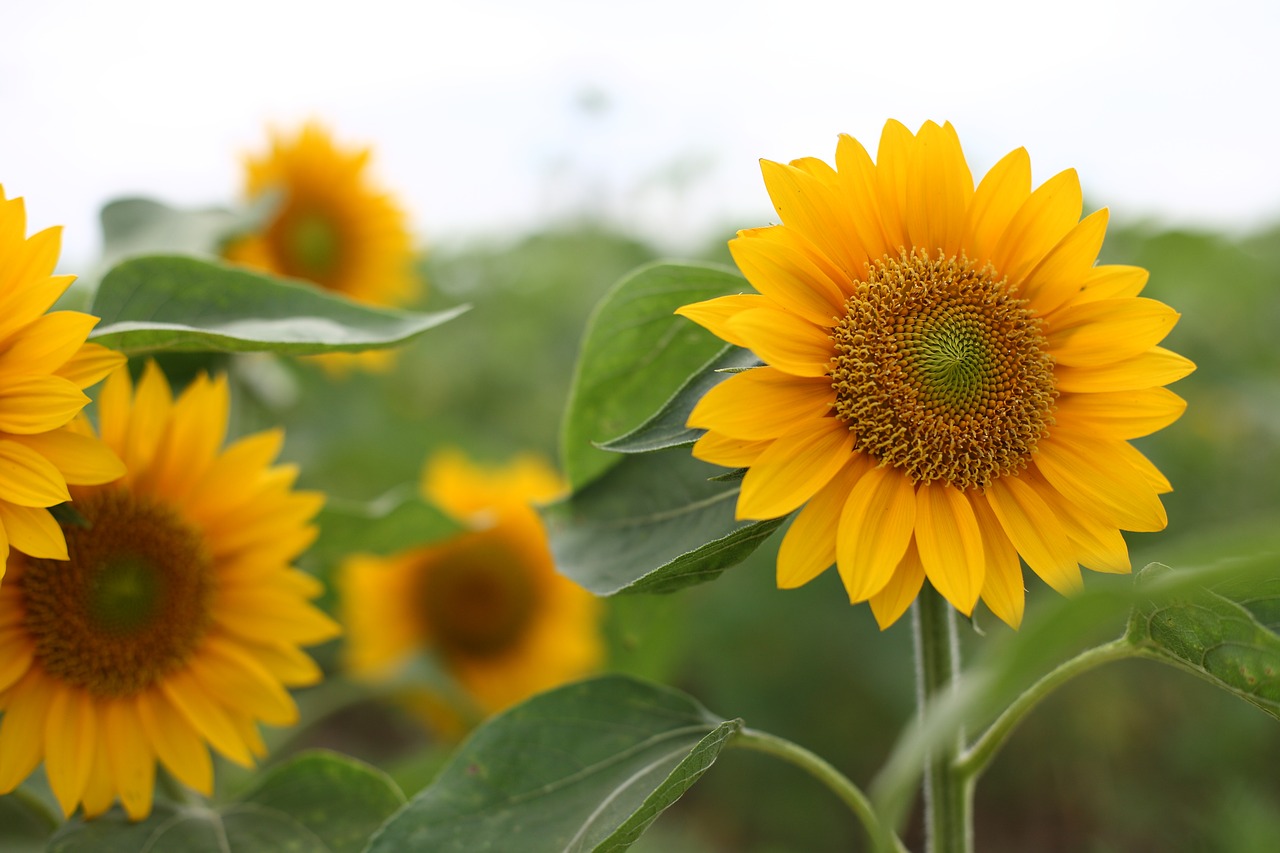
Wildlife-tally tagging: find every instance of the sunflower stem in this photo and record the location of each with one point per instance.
(975, 759)
(948, 794)
(828, 775)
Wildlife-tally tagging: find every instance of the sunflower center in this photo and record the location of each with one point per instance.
(478, 597)
(311, 245)
(941, 372)
(131, 603)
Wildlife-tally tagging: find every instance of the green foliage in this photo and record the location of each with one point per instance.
(666, 427)
(25, 824)
(1226, 634)
(396, 521)
(319, 802)
(175, 303)
(635, 354)
(585, 767)
(652, 523)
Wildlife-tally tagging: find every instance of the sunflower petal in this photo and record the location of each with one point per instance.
(1036, 532)
(785, 340)
(714, 314)
(762, 404)
(892, 601)
(876, 526)
(1002, 586)
(809, 546)
(794, 468)
(950, 544)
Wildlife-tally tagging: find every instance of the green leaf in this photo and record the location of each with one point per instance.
(635, 354)
(183, 304)
(319, 802)
(666, 428)
(586, 767)
(1225, 634)
(653, 523)
(395, 521)
(25, 825)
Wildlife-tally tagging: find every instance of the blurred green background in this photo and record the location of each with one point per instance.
(1133, 757)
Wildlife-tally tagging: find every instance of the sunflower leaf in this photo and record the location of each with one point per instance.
(1226, 634)
(395, 521)
(585, 767)
(666, 427)
(25, 825)
(180, 304)
(654, 523)
(319, 802)
(635, 354)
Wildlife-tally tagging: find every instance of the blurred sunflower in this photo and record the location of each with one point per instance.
(949, 383)
(487, 602)
(333, 226)
(176, 622)
(44, 366)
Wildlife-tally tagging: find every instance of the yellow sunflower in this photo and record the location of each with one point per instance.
(950, 382)
(45, 365)
(488, 602)
(176, 622)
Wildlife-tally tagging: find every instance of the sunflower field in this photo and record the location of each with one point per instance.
(319, 539)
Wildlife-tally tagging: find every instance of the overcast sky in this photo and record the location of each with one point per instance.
(490, 116)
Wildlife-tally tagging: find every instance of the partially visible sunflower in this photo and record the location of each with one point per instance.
(334, 227)
(45, 365)
(177, 621)
(951, 382)
(487, 602)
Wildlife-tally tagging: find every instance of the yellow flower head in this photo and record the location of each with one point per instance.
(950, 383)
(333, 227)
(44, 366)
(177, 621)
(488, 602)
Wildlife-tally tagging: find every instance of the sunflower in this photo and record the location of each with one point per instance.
(177, 620)
(45, 365)
(949, 380)
(488, 602)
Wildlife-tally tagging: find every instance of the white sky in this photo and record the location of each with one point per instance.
(1168, 109)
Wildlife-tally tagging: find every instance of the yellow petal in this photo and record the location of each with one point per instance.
(793, 468)
(785, 340)
(714, 314)
(1095, 473)
(939, 187)
(1106, 331)
(1036, 532)
(1058, 277)
(16, 653)
(99, 790)
(152, 405)
(90, 364)
(1043, 220)
(22, 728)
(809, 547)
(893, 162)
(950, 544)
(205, 715)
(33, 531)
(892, 601)
(264, 616)
(69, 743)
(133, 766)
(1120, 414)
(223, 668)
(876, 526)
(1157, 366)
(1002, 586)
(175, 741)
(811, 207)
(997, 199)
(47, 343)
(762, 403)
(83, 460)
(28, 479)
(856, 176)
(790, 278)
(1109, 281)
(38, 403)
(729, 452)
(1100, 546)
(292, 666)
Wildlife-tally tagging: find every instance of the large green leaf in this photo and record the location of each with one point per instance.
(319, 802)
(653, 523)
(635, 354)
(1226, 634)
(175, 303)
(25, 825)
(395, 521)
(666, 427)
(586, 767)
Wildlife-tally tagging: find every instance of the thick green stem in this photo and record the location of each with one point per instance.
(822, 770)
(948, 795)
(974, 760)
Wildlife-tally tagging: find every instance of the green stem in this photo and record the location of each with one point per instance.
(948, 795)
(973, 761)
(822, 770)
